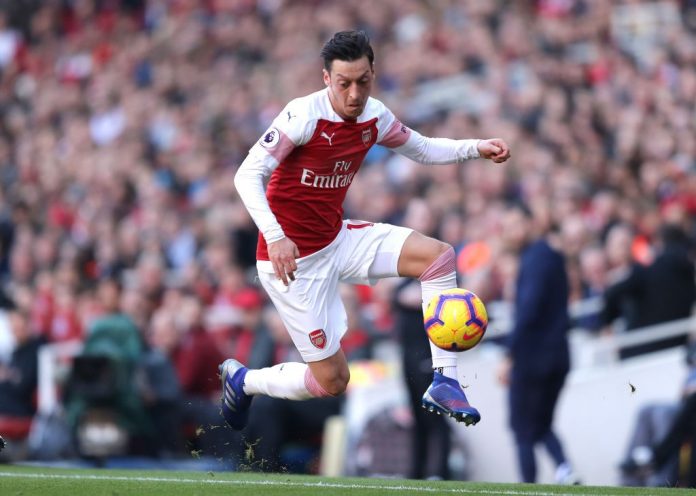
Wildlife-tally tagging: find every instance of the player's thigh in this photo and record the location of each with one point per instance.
(311, 309)
(370, 251)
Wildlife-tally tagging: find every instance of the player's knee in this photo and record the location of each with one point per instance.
(441, 261)
(441, 248)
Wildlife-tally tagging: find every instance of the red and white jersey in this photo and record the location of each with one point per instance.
(312, 156)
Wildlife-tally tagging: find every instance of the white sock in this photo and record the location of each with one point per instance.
(441, 358)
(285, 380)
(449, 371)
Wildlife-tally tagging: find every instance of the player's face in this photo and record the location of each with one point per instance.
(350, 83)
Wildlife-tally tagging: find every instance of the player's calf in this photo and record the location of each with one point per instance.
(289, 380)
(330, 374)
(317, 390)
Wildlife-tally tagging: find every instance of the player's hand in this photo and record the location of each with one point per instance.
(282, 254)
(494, 149)
(504, 370)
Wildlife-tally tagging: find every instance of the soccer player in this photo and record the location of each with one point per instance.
(312, 152)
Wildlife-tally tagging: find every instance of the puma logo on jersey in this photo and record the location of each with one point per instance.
(328, 138)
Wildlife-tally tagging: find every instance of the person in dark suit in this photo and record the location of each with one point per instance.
(663, 291)
(537, 359)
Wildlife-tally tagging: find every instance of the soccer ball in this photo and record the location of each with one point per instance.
(456, 320)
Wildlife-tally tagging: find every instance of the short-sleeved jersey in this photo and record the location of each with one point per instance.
(319, 154)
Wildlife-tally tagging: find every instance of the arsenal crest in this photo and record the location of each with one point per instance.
(318, 338)
(366, 136)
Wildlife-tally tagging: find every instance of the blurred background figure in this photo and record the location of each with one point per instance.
(180, 334)
(161, 391)
(662, 291)
(18, 382)
(103, 386)
(18, 376)
(663, 445)
(430, 434)
(593, 274)
(537, 359)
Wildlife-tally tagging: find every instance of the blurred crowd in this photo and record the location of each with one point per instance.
(122, 123)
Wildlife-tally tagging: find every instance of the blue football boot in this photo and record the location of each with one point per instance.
(446, 396)
(235, 402)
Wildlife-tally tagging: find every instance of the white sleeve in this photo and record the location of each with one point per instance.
(435, 151)
(249, 181)
(290, 129)
(405, 141)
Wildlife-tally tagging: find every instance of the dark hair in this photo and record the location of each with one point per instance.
(347, 46)
(672, 235)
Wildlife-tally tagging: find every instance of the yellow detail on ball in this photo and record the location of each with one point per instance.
(456, 320)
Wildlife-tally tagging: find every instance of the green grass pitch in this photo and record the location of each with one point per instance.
(25, 481)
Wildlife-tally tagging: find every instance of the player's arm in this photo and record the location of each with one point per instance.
(286, 132)
(424, 150)
(250, 183)
(436, 151)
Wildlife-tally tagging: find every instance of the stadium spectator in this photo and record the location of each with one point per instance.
(104, 374)
(18, 376)
(245, 334)
(593, 274)
(662, 291)
(179, 332)
(161, 394)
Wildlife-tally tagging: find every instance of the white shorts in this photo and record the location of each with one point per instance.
(310, 306)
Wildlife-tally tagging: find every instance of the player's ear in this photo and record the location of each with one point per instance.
(327, 77)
